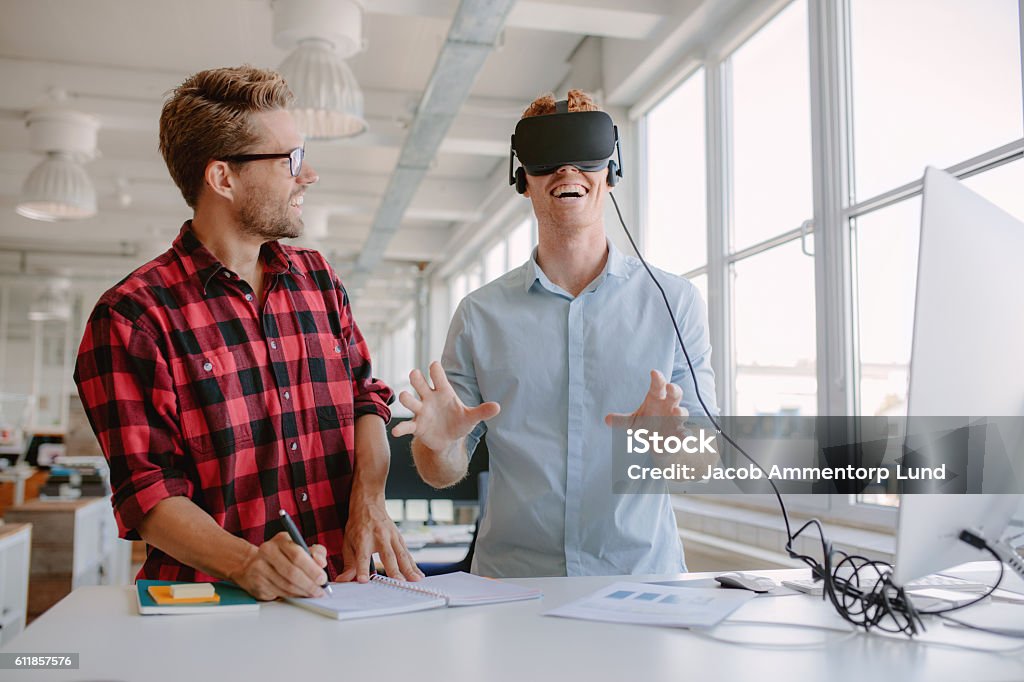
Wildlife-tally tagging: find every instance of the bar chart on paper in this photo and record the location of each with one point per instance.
(646, 604)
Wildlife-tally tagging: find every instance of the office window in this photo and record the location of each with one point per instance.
(520, 243)
(886, 243)
(934, 82)
(773, 333)
(925, 82)
(773, 310)
(403, 360)
(675, 238)
(457, 290)
(771, 129)
(879, 499)
(495, 261)
(395, 357)
(475, 277)
(935, 109)
(1003, 186)
(507, 253)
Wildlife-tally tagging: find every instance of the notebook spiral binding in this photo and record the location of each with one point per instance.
(401, 585)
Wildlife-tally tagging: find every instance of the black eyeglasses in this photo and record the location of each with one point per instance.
(294, 159)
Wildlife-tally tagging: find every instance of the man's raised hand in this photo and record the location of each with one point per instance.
(439, 417)
(662, 400)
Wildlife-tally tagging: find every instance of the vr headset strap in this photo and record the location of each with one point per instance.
(562, 106)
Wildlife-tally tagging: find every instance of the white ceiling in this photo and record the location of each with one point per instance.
(116, 59)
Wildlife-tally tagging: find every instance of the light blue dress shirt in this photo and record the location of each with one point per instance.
(557, 365)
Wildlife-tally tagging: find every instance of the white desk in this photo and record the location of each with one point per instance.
(505, 642)
(438, 555)
(439, 544)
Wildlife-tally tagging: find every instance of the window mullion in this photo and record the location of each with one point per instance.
(830, 154)
(718, 159)
(994, 158)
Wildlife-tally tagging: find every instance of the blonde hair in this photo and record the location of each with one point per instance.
(545, 104)
(207, 117)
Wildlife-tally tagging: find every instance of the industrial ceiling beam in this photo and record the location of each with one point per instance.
(471, 39)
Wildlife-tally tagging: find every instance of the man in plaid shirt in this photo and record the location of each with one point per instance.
(226, 379)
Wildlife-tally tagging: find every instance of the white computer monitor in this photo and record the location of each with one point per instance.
(967, 362)
(968, 327)
(928, 537)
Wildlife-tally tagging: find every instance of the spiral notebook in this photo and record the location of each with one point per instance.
(384, 596)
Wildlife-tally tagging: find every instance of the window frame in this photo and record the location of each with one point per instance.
(642, 135)
(830, 226)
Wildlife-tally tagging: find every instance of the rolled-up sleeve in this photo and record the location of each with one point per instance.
(370, 395)
(128, 395)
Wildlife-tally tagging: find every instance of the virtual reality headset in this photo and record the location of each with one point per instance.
(584, 139)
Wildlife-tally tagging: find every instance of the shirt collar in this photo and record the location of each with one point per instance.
(616, 266)
(276, 259)
(203, 265)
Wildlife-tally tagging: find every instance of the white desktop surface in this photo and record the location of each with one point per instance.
(504, 642)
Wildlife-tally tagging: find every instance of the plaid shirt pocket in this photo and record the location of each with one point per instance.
(214, 416)
(331, 378)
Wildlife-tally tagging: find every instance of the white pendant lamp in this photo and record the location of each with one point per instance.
(322, 34)
(59, 188)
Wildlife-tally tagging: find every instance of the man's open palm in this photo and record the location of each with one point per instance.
(439, 417)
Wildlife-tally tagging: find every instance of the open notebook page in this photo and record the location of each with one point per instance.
(365, 600)
(465, 589)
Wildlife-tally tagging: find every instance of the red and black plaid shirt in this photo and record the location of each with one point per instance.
(196, 389)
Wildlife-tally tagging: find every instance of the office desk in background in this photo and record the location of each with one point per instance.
(499, 643)
(440, 544)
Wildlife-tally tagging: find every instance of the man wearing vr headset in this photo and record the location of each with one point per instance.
(547, 357)
(226, 380)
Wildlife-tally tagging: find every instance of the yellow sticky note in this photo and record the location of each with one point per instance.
(162, 595)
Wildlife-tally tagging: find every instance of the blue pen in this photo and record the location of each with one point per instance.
(296, 537)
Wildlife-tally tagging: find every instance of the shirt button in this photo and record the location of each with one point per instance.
(248, 297)
(294, 446)
(273, 344)
(305, 497)
(337, 349)
(287, 395)
(208, 366)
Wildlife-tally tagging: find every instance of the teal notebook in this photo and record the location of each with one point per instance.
(232, 600)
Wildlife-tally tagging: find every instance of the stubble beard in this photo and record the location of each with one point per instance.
(567, 226)
(259, 217)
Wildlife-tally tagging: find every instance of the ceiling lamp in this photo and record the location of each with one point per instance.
(322, 34)
(59, 188)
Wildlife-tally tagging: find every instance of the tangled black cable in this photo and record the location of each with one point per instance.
(878, 603)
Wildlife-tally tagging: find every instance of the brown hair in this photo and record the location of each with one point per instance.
(545, 104)
(207, 117)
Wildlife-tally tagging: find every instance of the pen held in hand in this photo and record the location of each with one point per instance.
(293, 533)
